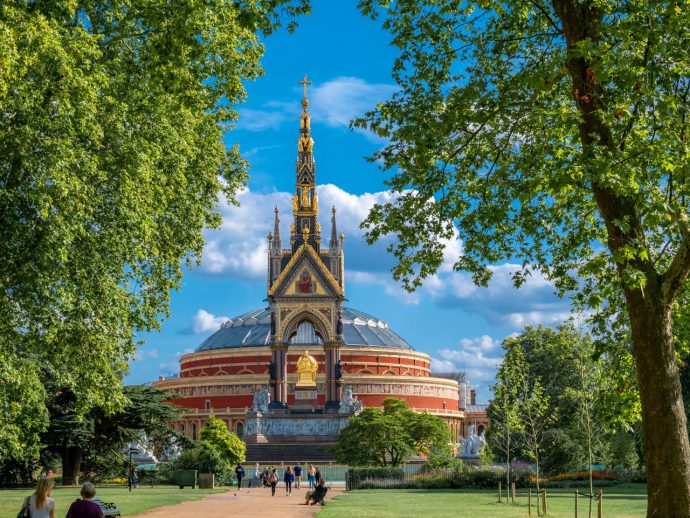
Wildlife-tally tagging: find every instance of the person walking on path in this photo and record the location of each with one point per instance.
(239, 473)
(310, 476)
(298, 475)
(40, 505)
(289, 477)
(85, 508)
(273, 481)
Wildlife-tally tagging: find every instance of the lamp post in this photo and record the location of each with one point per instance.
(131, 473)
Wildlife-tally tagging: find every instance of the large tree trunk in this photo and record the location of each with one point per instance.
(667, 451)
(71, 465)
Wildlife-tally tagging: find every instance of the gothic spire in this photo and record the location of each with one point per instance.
(333, 243)
(305, 202)
(276, 232)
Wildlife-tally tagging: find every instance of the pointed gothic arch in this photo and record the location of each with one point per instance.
(320, 326)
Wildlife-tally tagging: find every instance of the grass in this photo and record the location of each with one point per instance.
(139, 500)
(619, 502)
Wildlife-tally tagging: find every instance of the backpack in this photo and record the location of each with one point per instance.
(273, 479)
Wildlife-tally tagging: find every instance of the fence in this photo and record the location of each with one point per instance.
(540, 499)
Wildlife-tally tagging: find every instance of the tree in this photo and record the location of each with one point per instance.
(552, 134)
(112, 160)
(504, 408)
(77, 437)
(388, 436)
(22, 418)
(536, 417)
(584, 394)
(227, 444)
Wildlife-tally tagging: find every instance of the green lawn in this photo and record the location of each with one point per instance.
(619, 502)
(138, 501)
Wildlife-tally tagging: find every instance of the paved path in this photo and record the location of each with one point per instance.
(249, 502)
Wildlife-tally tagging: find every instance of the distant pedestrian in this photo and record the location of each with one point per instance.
(298, 475)
(40, 505)
(273, 481)
(311, 474)
(317, 476)
(239, 473)
(288, 478)
(85, 508)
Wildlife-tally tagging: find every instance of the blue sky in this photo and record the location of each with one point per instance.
(350, 60)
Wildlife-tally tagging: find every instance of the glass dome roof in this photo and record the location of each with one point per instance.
(253, 329)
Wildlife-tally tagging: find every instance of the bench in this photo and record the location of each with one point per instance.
(108, 508)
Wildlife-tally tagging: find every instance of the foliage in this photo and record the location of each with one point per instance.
(23, 417)
(503, 410)
(92, 443)
(536, 416)
(389, 435)
(562, 451)
(216, 436)
(112, 160)
(553, 135)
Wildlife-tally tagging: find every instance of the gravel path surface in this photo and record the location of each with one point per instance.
(248, 502)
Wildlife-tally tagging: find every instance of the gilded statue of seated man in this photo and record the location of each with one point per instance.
(306, 370)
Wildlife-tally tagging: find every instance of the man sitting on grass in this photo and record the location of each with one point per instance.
(317, 494)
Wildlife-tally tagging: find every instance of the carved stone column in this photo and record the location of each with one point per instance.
(278, 377)
(332, 350)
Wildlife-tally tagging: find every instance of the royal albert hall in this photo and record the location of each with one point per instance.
(306, 312)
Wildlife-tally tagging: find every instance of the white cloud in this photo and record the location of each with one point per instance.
(239, 247)
(260, 120)
(205, 322)
(501, 303)
(334, 102)
(344, 98)
(143, 354)
(390, 287)
(477, 357)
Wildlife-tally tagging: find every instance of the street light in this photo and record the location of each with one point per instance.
(131, 473)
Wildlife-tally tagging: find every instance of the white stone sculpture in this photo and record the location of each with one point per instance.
(261, 401)
(473, 445)
(350, 404)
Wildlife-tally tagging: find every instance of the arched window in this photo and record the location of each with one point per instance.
(194, 432)
(480, 429)
(182, 428)
(239, 429)
(306, 335)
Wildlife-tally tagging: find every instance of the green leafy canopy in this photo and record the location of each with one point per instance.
(112, 161)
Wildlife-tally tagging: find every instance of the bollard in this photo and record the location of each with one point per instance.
(529, 502)
(512, 491)
(599, 503)
(577, 494)
(499, 491)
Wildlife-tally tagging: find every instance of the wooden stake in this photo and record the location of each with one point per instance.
(599, 503)
(529, 502)
(577, 497)
(543, 500)
(499, 491)
(512, 491)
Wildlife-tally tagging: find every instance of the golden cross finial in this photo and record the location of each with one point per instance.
(305, 83)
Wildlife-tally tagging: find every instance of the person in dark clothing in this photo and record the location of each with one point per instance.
(317, 476)
(298, 475)
(85, 508)
(273, 481)
(288, 478)
(239, 473)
